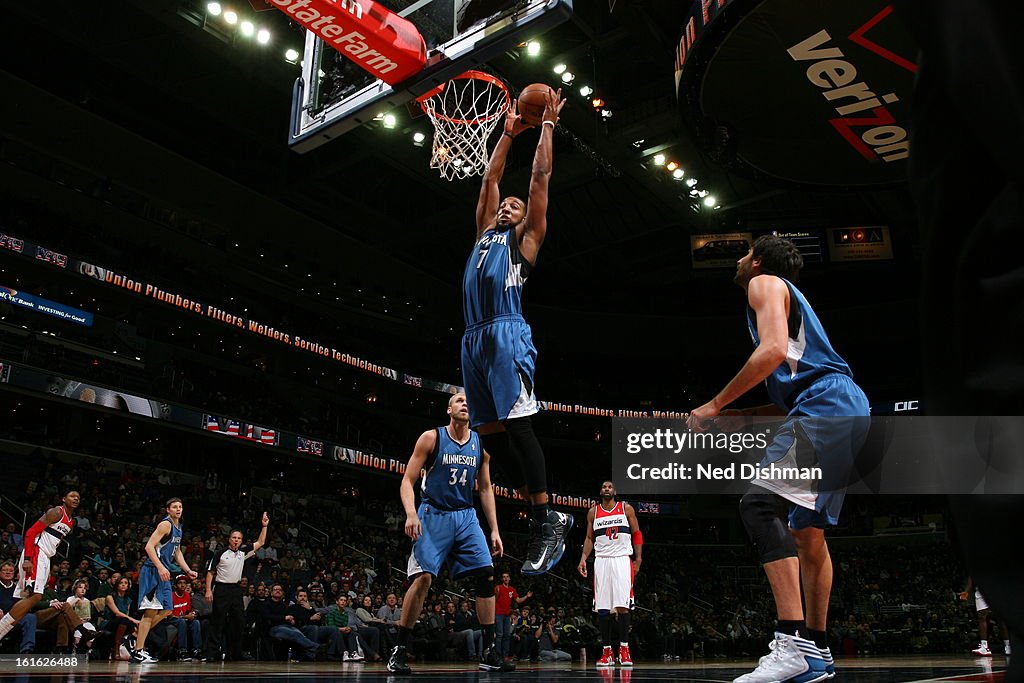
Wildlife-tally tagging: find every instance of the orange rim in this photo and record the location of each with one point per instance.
(424, 99)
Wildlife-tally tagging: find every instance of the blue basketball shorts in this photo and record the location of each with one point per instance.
(153, 593)
(826, 428)
(498, 361)
(451, 537)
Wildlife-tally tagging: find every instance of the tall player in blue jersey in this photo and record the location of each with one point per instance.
(806, 379)
(155, 598)
(498, 355)
(445, 528)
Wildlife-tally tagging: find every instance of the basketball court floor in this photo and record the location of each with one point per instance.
(860, 670)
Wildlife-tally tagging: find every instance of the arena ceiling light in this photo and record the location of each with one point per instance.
(418, 138)
(560, 68)
(678, 174)
(691, 182)
(213, 9)
(389, 120)
(263, 36)
(586, 91)
(568, 77)
(606, 113)
(659, 159)
(291, 55)
(231, 17)
(247, 28)
(533, 48)
(710, 200)
(672, 165)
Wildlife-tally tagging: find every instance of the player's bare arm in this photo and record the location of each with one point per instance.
(424, 445)
(162, 529)
(486, 493)
(588, 543)
(490, 194)
(530, 233)
(634, 530)
(769, 297)
(180, 559)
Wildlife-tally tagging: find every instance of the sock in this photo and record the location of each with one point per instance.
(984, 643)
(6, 624)
(403, 636)
(604, 622)
(791, 628)
(624, 620)
(820, 638)
(539, 513)
(488, 636)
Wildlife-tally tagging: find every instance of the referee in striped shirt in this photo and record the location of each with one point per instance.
(223, 574)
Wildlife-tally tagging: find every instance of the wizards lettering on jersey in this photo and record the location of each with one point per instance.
(601, 523)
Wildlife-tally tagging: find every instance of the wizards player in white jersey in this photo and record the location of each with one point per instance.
(155, 598)
(613, 533)
(40, 545)
(445, 529)
(498, 355)
(828, 418)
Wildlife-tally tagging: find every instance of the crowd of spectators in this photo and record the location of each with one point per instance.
(337, 566)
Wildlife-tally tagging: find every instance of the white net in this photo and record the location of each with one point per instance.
(464, 113)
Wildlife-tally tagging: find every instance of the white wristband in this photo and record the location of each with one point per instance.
(551, 123)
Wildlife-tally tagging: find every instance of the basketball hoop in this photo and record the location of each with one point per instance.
(464, 112)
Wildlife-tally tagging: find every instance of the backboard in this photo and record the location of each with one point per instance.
(334, 95)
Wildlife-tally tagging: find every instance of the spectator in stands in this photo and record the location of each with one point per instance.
(345, 645)
(117, 617)
(281, 621)
(524, 645)
(27, 624)
(110, 585)
(15, 537)
(504, 595)
(369, 638)
(390, 613)
(83, 607)
(311, 622)
(370, 621)
(467, 629)
(185, 620)
(61, 617)
(547, 638)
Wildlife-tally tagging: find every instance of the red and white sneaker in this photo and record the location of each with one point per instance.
(982, 650)
(607, 659)
(624, 658)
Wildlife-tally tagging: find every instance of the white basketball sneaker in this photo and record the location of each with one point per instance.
(792, 659)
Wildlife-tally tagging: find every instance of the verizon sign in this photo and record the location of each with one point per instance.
(384, 44)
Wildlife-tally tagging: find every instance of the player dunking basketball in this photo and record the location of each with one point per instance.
(445, 529)
(806, 379)
(498, 355)
(155, 599)
(41, 541)
(614, 535)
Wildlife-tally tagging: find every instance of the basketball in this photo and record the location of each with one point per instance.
(531, 102)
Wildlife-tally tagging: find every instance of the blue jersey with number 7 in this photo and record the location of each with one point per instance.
(451, 472)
